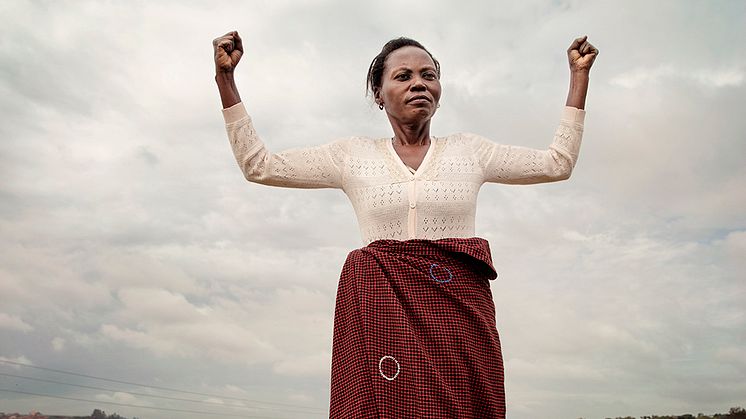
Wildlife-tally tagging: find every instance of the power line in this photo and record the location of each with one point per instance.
(135, 405)
(156, 396)
(156, 387)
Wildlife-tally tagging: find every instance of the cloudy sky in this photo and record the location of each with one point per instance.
(132, 249)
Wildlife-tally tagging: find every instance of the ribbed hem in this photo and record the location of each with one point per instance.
(235, 113)
(573, 114)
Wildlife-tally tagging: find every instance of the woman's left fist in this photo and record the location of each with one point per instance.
(581, 55)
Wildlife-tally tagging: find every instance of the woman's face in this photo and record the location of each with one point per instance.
(410, 87)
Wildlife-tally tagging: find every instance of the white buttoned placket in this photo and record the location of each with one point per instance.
(412, 216)
(414, 178)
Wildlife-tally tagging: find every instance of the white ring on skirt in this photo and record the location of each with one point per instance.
(380, 368)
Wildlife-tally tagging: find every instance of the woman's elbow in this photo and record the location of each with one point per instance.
(561, 165)
(254, 168)
(254, 176)
(562, 172)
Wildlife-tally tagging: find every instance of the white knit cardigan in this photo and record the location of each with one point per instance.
(437, 201)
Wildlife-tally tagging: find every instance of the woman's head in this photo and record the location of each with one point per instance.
(376, 69)
(405, 79)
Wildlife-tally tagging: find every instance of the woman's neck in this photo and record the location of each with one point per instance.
(411, 134)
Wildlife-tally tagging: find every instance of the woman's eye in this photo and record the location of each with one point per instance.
(403, 76)
(429, 76)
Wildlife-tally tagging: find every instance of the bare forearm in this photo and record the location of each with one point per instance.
(227, 87)
(578, 89)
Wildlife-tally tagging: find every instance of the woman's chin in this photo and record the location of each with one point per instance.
(423, 113)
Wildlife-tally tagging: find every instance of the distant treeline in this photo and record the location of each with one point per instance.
(97, 414)
(733, 413)
(100, 414)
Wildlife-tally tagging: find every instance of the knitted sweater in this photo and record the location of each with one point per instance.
(437, 200)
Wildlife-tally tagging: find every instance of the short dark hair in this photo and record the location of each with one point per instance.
(375, 71)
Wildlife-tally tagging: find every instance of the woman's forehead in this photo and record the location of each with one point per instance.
(409, 56)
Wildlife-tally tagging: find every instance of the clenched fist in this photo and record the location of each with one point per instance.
(581, 55)
(228, 51)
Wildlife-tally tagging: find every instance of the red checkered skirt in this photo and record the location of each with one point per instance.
(415, 333)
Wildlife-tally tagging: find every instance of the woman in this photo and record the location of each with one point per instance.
(414, 324)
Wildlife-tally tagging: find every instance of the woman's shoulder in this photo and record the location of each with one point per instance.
(468, 144)
(465, 139)
(351, 143)
(357, 140)
(465, 136)
(357, 147)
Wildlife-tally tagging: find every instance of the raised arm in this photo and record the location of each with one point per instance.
(308, 167)
(521, 165)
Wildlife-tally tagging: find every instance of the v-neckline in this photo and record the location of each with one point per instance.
(403, 165)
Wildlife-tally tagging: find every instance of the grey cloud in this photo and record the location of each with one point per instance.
(129, 233)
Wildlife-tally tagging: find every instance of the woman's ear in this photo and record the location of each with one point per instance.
(377, 95)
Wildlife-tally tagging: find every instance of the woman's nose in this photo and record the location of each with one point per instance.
(418, 84)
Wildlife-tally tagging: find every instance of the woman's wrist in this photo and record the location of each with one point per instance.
(223, 76)
(579, 75)
(227, 87)
(578, 89)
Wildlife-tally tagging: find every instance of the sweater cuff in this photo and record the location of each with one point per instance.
(234, 113)
(573, 114)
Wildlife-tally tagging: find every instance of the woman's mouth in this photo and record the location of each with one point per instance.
(419, 99)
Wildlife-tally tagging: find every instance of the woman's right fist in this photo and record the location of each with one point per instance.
(228, 51)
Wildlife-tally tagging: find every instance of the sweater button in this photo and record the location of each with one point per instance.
(412, 205)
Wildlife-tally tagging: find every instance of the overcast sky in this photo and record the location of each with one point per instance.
(131, 247)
